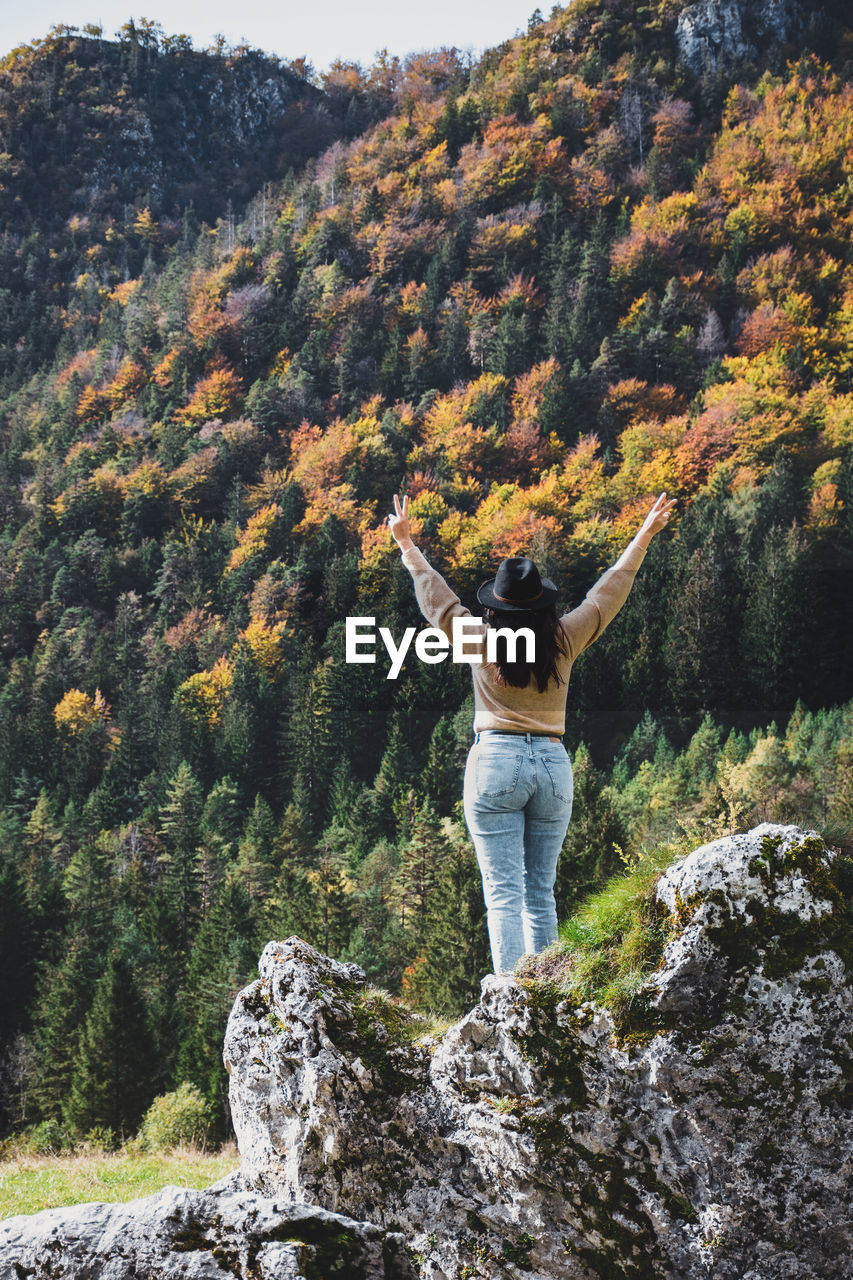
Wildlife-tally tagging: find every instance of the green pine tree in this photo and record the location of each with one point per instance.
(453, 946)
(417, 873)
(114, 1068)
(589, 854)
(223, 961)
(17, 955)
(255, 865)
(64, 997)
(219, 835)
(293, 904)
(331, 889)
(180, 830)
(42, 839)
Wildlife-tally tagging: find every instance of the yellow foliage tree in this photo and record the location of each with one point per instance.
(123, 292)
(92, 406)
(649, 463)
(164, 371)
(338, 501)
(263, 644)
(145, 226)
(127, 383)
(81, 717)
(203, 696)
(762, 781)
(148, 480)
(254, 538)
(214, 396)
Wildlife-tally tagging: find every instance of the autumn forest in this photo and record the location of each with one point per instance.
(243, 302)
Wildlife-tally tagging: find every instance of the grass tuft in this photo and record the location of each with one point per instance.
(608, 949)
(29, 1183)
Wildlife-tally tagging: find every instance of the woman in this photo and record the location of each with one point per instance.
(517, 794)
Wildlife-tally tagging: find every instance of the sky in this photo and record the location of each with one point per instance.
(321, 31)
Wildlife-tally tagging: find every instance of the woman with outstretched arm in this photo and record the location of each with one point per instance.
(517, 793)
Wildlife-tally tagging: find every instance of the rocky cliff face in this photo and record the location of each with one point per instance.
(718, 35)
(93, 131)
(91, 126)
(527, 1140)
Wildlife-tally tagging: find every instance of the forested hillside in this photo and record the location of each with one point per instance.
(530, 291)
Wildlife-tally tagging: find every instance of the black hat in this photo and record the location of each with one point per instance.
(517, 587)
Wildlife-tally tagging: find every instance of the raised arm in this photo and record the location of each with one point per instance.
(437, 601)
(604, 600)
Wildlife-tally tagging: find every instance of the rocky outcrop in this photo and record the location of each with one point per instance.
(719, 35)
(199, 1235)
(529, 1140)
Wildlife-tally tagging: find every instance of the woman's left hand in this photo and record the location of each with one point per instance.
(398, 523)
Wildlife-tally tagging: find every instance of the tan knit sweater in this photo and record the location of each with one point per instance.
(503, 707)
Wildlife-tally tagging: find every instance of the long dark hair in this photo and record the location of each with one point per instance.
(550, 645)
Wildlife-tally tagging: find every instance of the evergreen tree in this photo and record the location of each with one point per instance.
(219, 835)
(330, 884)
(778, 622)
(222, 962)
(642, 745)
(342, 792)
(590, 850)
(255, 866)
(416, 876)
(698, 762)
(113, 1078)
(440, 778)
(513, 344)
(17, 953)
(378, 942)
(312, 739)
(180, 820)
(700, 650)
(42, 839)
(88, 889)
(293, 905)
(65, 996)
(452, 950)
(588, 319)
(395, 770)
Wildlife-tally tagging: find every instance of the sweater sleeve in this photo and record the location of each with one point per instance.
(603, 601)
(438, 603)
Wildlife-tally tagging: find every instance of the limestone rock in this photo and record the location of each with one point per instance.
(198, 1235)
(722, 890)
(716, 35)
(528, 1140)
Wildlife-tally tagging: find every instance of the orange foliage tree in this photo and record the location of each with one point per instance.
(216, 395)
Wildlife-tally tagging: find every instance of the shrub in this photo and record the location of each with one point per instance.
(175, 1119)
(49, 1137)
(101, 1138)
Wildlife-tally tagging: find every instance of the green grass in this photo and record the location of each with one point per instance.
(613, 942)
(29, 1183)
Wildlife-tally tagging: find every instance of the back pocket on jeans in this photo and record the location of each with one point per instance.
(497, 774)
(560, 773)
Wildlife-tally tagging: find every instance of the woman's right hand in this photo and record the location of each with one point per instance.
(398, 523)
(657, 519)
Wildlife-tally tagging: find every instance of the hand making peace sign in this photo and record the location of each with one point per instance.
(398, 523)
(657, 519)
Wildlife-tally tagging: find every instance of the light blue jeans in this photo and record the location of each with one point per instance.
(518, 801)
